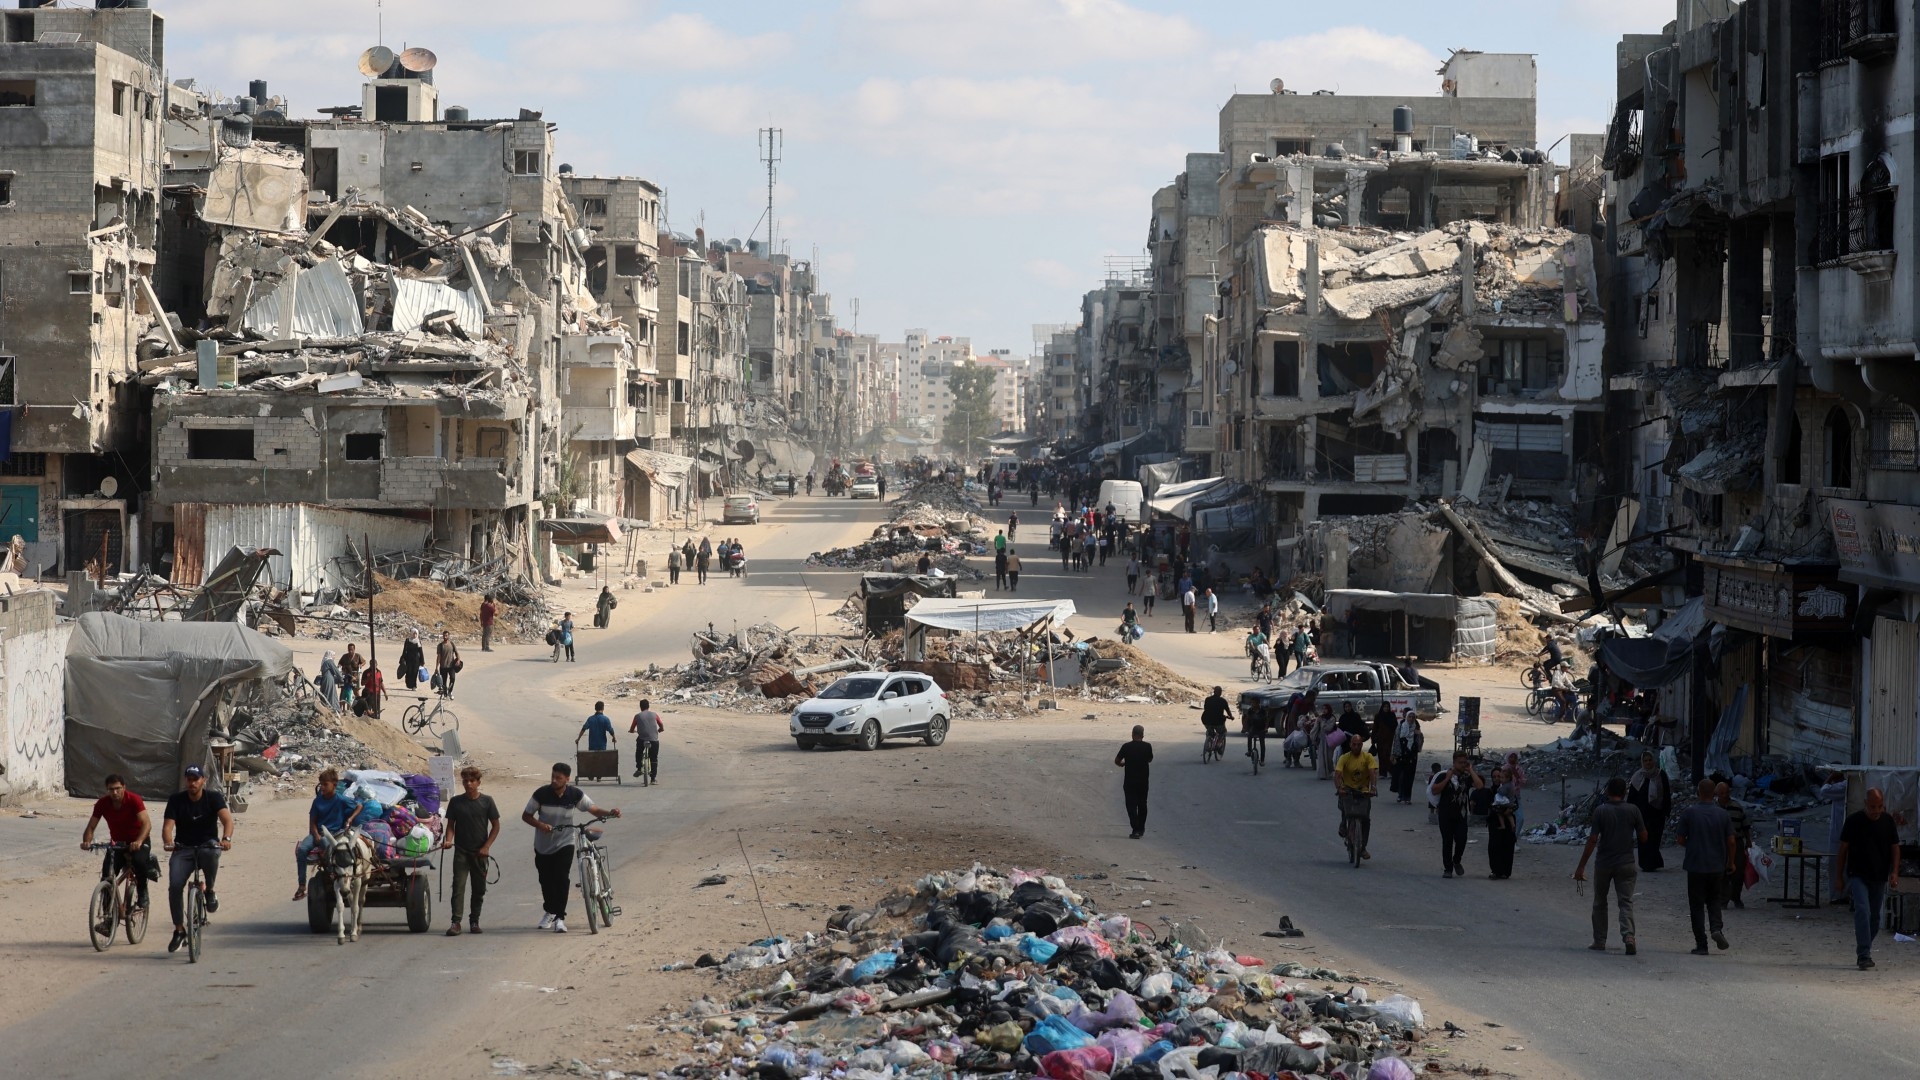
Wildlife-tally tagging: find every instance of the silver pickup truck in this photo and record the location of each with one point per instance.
(1366, 683)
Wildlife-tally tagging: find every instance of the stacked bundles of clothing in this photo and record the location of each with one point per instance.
(399, 813)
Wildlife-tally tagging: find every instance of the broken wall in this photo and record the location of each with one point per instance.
(33, 649)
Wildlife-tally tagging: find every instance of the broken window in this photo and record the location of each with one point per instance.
(593, 205)
(629, 261)
(526, 163)
(6, 384)
(1871, 224)
(597, 270)
(323, 165)
(1520, 366)
(17, 93)
(119, 99)
(1896, 439)
(1830, 202)
(6, 189)
(23, 464)
(1286, 369)
(685, 340)
(365, 446)
(1348, 367)
(490, 443)
(80, 282)
(1839, 440)
(1524, 447)
(390, 104)
(220, 444)
(108, 205)
(642, 330)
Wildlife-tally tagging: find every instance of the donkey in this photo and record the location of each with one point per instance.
(349, 865)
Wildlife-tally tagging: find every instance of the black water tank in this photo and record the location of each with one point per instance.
(257, 90)
(457, 114)
(236, 129)
(1403, 119)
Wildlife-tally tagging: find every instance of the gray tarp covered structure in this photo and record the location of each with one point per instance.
(141, 695)
(1471, 622)
(885, 596)
(1652, 662)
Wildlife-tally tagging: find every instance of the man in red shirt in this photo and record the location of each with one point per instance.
(127, 823)
(487, 612)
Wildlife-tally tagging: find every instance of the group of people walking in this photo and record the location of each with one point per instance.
(730, 554)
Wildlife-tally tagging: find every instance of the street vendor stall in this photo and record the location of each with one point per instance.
(978, 616)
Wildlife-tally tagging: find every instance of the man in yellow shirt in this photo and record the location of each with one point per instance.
(1356, 776)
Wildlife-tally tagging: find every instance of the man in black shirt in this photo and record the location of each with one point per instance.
(1870, 865)
(473, 824)
(1135, 757)
(195, 818)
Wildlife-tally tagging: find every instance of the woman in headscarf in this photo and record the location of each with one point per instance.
(412, 659)
(330, 680)
(1503, 825)
(1649, 790)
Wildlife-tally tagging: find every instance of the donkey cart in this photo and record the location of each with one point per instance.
(400, 882)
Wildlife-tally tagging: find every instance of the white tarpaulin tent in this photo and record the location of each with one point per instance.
(975, 616)
(1177, 499)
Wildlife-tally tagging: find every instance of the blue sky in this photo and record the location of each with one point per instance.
(959, 166)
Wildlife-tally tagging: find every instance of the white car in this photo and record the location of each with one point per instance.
(864, 487)
(866, 709)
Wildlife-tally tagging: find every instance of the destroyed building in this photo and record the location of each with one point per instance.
(394, 323)
(704, 314)
(1765, 255)
(80, 104)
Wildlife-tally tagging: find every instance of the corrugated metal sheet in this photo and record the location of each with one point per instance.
(312, 538)
(324, 305)
(1896, 713)
(1810, 698)
(665, 470)
(413, 301)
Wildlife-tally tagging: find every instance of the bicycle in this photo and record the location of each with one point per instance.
(1262, 669)
(1355, 810)
(196, 902)
(1257, 747)
(1214, 746)
(113, 905)
(596, 882)
(419, 718)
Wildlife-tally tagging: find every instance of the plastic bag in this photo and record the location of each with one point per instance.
(1005, 1037)
(1156, 986)
(1403, 1010)
(1082, 935)
(1121, 1011)
(1076, 1064)
(1035, 949)
(1759, 865)
(1126, 1043)
(872, 967)
(1181, 1064)
(1390, 1068)
(1155, 1050)
(1055, 1033)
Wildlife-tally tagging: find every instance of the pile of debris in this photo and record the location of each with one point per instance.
(934, 518)
(283, 742)
(1017, 974)
(757, 669)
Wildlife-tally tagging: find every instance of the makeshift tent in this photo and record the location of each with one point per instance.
(1430, 626)
(1652, 662)
(142, 696)
(1158, 474)
(976, 616)
(1107, 450)
(576, 531)
(885, 596)
(1176, 500)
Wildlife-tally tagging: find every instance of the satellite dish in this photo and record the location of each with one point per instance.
(108, 485)
(418, 60)
(375, 61)
(1277, 85)
(1231, 367)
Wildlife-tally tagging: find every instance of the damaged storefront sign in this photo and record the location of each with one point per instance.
(1878, 544)
(1777, 602)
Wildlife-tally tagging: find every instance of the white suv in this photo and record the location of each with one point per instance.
(865, 709)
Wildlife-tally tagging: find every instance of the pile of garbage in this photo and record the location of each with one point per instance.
(1016, 974)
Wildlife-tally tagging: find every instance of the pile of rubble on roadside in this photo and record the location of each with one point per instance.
(1017, 974)
(935, 519)
(989, 676)
(283, 742)
(428, 606)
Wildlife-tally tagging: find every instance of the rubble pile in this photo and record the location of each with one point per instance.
(427, 606)
(283, 741)
(933, 518)
(1017, 974)
(1137, 676)
(758, 669)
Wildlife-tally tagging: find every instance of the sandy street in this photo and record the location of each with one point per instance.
(798, 833)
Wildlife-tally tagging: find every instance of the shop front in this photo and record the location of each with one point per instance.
(1878, 546)
(1790, 646)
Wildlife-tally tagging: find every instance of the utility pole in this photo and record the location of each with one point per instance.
(771, 139)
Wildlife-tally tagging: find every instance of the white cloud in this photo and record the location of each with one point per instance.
(1021, 34)
(1619, 16)
(1345, 59)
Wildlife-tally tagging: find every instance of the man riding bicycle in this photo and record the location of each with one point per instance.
(1563, 691)
(1258, 650)
(1214, 714)
(1356, 776)
(196, 829)
(127, 823)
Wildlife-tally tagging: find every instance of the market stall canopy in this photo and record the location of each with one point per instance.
(1159, 474)
(570, 531)
(1010, 439)
(141, 695)
(984, 615)
(1107, 450)
(1651, 662)
(665, 470)
(1177, 499)
(886, 596)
